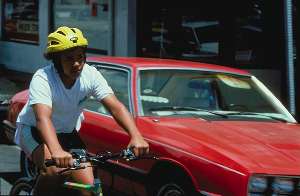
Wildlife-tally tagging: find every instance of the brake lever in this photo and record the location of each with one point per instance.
(76, 166)
(128, 155)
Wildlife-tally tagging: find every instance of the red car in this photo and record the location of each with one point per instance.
(217, 130)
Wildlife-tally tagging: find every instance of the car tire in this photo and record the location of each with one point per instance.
(171, 187)
(28, 169)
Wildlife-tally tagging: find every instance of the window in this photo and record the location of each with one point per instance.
(118, 79)
(249, 35)
(92, 17)
(21, 21)
(202, 38)
(169, 29)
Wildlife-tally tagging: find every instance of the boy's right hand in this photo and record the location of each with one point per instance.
(62, 159)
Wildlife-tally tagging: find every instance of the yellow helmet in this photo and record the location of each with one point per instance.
(65, 38)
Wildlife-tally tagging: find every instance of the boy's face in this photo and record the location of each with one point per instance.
(72, 62)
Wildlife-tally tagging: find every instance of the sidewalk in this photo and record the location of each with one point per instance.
(9, 167)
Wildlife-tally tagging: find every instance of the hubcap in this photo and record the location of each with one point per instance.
(170, 189)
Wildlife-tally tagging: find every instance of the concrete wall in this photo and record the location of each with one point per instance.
(125, 28)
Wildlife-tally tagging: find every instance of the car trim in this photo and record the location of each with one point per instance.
(129, 70)
(140, 112)
(197, 69)
(91, 111)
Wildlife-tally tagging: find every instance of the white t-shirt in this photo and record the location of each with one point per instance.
(47, 88)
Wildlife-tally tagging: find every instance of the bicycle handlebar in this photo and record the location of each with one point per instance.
(84, 157)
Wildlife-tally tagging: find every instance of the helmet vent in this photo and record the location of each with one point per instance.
(73, 30)
(54, 43)
(62, 33)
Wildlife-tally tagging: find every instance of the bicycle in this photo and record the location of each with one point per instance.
(25, 186)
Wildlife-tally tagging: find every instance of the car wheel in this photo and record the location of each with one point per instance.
(171, 187)
(28, 169)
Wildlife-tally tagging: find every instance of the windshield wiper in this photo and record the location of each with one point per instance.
(182, 108)
(256, 114)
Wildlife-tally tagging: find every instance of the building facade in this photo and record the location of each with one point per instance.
(249, 34)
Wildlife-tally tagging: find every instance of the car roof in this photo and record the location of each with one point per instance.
(141, 62)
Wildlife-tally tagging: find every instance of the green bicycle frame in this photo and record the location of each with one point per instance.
(95, 188)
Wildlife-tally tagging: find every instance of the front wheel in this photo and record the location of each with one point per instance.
(171, 187)
(23, 186)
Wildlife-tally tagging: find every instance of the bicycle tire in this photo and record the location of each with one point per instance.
(23, 186)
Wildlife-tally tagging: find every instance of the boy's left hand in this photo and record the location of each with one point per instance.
(139, 146)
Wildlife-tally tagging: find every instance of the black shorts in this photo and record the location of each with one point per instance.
(67, 140)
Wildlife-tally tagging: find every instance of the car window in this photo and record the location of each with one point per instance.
(165, 92)
(118, 80)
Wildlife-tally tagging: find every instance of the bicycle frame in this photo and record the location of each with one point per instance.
(95, 189)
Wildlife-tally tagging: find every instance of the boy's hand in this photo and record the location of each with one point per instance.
(139, 146)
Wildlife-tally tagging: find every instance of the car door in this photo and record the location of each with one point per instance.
(99, 130)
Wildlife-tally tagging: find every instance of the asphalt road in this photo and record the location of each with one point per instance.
(9, 167)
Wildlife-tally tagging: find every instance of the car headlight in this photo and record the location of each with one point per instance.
(273, 185)
(258, 184)
(283, 185)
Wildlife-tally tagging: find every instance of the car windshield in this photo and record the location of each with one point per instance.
(174, 92)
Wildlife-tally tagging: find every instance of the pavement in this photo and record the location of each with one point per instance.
(9, 167)
(11, 82)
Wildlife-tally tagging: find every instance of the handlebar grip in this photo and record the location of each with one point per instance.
(49, 162)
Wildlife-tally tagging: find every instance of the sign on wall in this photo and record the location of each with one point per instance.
(21, 21)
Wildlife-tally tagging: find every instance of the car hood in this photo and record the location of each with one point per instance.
(258, 147)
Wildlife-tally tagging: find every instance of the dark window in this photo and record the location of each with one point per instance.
(240, 34)
(180, 31)
(249, 35)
